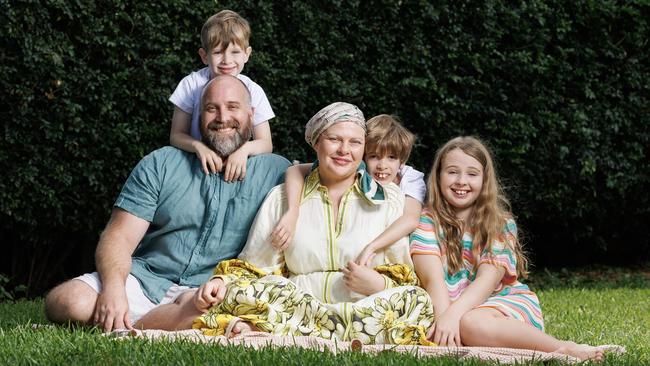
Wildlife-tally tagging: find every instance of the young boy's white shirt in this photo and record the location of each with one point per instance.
(187, 97)
(412, 183)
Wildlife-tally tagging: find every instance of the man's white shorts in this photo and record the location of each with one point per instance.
(139, 304)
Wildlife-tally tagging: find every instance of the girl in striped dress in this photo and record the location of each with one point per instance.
(469, 259)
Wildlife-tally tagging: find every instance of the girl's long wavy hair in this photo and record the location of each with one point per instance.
(488, 218)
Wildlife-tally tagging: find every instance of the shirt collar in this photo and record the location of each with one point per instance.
(364, 185)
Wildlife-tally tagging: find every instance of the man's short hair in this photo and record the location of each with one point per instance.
(224, 28)
(386, 135)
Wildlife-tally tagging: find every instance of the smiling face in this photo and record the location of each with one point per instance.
(384, 169)
(226, 115)
(225, 61)
(339, 150)
(461, 181)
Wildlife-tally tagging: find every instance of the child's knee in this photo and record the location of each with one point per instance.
(476, 323)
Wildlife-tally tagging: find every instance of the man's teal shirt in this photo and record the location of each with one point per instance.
(196, 219)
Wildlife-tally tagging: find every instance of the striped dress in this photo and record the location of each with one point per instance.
(510, 297)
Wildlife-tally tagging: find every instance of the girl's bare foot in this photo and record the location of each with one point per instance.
(581, 351)
(241, 328)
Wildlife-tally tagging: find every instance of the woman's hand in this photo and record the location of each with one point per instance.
(209, 294)
(446, 330)
(362, 279)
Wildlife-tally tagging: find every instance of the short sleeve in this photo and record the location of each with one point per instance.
(263, 111)
(412, 184)
(139, 195)
(501, 254)
(262, 108)
(187, 97)
(183, 95)
(424, 240)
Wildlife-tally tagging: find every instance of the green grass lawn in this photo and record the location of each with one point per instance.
(603, 306)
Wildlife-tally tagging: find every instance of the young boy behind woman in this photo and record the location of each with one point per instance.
(388, 146)
(468, 257)
(224, 50)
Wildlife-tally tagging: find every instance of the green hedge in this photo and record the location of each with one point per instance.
(558, 89)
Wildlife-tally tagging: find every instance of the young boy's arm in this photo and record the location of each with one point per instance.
(401, 227)
(180, 138)
(293, 182)
(261, 144)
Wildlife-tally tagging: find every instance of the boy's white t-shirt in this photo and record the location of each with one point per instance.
(187, 97)
(412, 183)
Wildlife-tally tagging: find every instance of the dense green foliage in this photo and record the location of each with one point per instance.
(614, 312)
(558, 89)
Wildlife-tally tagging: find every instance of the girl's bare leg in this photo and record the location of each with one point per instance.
(490, 328)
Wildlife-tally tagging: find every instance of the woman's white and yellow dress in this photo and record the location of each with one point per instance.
(301, 290)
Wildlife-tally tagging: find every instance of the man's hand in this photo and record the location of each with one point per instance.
(210, 161)
(362, 279)
(236, 165)
(112, 310)
(209, 294)
(282, 235)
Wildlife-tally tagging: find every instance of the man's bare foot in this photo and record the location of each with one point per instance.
(241, 328)
(581, 351)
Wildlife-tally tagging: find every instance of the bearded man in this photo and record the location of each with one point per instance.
(172, 223)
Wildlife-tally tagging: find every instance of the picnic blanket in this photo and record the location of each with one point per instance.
(260, 339)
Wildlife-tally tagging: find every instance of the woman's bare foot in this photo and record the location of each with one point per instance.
(241, 328)
(581, 351)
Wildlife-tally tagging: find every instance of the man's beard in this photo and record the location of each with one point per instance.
(225, 145)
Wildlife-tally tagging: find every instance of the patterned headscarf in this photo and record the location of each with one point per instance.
(333, 113)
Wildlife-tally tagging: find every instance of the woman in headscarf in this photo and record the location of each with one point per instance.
(314, 288)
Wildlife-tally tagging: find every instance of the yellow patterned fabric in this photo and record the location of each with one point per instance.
(239, 268)
(276, 305)
(398, 275)
(218, 324)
